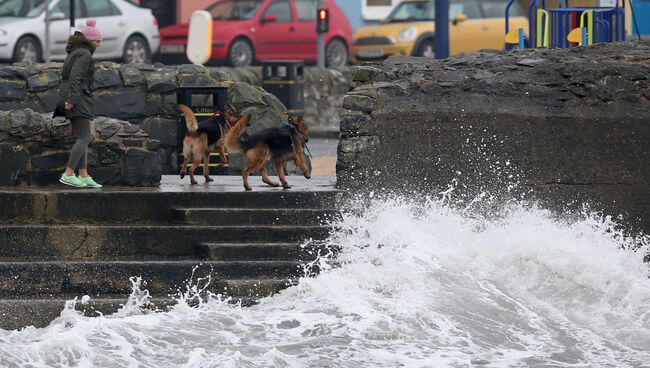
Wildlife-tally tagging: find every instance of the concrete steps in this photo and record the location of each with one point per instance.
(254, 251)
(254, 216)
(58, 244)
(105, 242)
(141, 206)
(110, 277)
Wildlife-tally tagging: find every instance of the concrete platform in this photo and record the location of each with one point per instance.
(173, 183)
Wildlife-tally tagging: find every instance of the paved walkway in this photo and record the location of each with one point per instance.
(173, 183)
(232, 183)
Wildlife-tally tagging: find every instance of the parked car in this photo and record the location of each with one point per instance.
(409, 29)
(130, 33)
(248, 31)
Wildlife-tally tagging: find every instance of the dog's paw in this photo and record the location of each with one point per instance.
(194, 182)
(286, 186)
(208, 179)
(182, 175)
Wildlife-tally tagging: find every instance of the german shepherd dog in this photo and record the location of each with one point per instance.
(277, 145)
(203, 138)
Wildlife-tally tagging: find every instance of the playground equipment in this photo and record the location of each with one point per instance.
(564, 26)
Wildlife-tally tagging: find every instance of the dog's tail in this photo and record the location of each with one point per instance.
(190, 119)
(231, 140)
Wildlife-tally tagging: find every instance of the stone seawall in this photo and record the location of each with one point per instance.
(562, 126)
(34, 150)
(145, 95)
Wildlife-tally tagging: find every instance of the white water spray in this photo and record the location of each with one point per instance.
(415, 285)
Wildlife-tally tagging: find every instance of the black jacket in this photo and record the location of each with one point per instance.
(77, 76)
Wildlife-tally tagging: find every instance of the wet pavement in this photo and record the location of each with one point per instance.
(323, 147)
(231, 183)
(221, 183)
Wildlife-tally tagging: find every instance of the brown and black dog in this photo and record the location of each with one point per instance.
(203, 138)
(277, 145)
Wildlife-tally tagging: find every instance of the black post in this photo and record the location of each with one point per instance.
(442, 29)
(320, 41)
(72, 16)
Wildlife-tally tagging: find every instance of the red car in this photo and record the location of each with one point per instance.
(247, 31)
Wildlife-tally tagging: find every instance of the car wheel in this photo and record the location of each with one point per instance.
(136, 50)
(426, 49)
(241, 53)
(27, 50)
(336, 53)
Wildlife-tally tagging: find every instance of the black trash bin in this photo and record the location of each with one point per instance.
(206, 102)
(285, 80)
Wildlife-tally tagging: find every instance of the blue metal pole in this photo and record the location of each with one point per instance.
(72, 15)
(442, 29)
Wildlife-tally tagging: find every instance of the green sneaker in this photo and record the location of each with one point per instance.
(89, 182)
(72, 180)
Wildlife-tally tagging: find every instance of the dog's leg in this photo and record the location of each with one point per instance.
(244, 174)
(278, 166)
(183, 168)
(299, 159)
(195, 164)
(256, 158)
(206, 167)
(266, 179)
(222, 154)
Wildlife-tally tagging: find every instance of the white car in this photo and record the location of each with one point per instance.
(130, 32)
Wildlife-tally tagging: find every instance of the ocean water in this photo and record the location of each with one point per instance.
(416, 284)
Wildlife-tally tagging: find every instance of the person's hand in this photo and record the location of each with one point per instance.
(68, 105)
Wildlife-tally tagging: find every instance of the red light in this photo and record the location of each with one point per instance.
(322, 14)
(155, 21)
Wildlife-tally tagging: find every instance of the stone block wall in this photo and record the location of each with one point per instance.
(566, 127)
(34, 150)
(145, 95)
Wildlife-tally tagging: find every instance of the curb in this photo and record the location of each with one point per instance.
(315, 132)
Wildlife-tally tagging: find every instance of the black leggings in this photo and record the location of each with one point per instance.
(79, 153)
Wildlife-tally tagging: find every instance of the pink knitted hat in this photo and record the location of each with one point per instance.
(91, 32)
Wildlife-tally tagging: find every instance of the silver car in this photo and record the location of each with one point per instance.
(130, 32)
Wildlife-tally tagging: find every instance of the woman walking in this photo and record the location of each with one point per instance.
(76, 100)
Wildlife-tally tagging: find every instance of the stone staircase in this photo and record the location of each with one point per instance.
(59, 244)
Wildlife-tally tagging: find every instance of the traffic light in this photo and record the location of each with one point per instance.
(323, 21)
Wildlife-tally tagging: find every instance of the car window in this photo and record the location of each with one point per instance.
(412, 11)
(234, 9)
(468, 7)
(64, 7)
(98, 8)
(21, 8)
(497, 8)
(281, 9)
(115, 10)
(306, 9)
